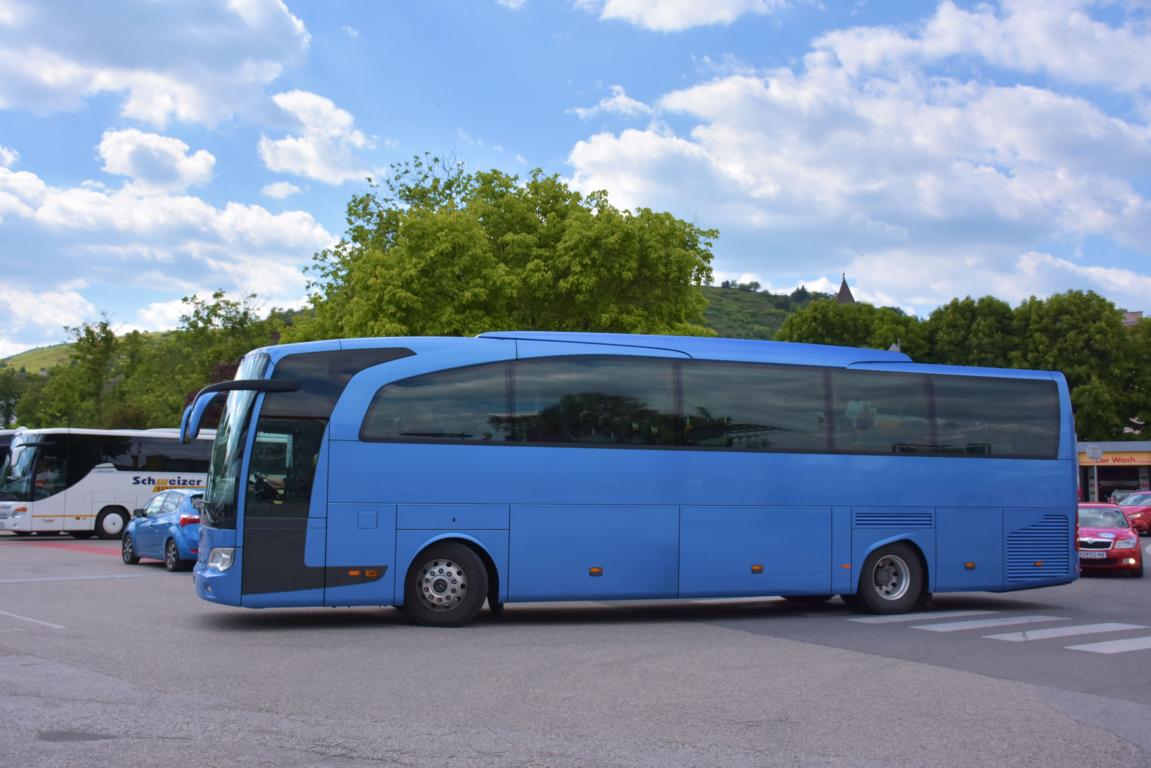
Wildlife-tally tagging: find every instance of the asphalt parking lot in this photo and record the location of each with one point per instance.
(103, 664)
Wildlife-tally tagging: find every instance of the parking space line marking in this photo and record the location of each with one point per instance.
(34, 621)
(1006, 621)
(36, 579)
(918, 616)
(1081, 629)
(1114, 646)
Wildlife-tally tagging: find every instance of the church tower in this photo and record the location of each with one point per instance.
(844, 296)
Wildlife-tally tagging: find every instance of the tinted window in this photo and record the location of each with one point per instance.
(996, 417)
(170, 455)
(596, 401)
(878, 412)
(468, 404)
(290, 430)
(746, 406)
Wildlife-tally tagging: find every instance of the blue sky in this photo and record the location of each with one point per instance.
(154, 150)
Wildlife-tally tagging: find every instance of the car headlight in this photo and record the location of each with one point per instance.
(1126, 543)
(221, 558)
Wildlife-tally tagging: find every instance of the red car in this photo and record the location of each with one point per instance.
(1107, 542)
(1137, 507)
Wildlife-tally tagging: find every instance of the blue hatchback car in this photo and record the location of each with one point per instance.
(167, 528)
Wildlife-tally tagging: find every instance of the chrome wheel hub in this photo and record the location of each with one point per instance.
(891, 577)
(443, 585)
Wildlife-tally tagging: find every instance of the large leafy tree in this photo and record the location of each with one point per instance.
(1081, 334)
(972, 332)
(440, 251)
(854, 325)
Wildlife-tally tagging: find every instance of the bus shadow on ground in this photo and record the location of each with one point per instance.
(580, 613)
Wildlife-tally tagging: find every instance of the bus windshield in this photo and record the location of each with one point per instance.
(17, 475)
(228, 448)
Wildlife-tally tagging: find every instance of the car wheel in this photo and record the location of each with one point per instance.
(892, 579)
(446, 585)
(128, 550)
(172, 559)
(111, 522)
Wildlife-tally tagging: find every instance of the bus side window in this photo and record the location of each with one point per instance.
(49, 476)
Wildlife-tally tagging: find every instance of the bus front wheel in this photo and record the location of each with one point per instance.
(446, 585)
(110, 523)
(892, 579)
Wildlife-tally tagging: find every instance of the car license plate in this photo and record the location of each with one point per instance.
(1092, 555)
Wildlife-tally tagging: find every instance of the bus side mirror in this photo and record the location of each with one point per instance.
(193, 414)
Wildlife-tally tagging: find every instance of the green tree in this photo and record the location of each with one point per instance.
(143, 380)
(854, 325)
(12, 386)
(1081, 334)
(1134, 381)
(972, 332)
(439, 251)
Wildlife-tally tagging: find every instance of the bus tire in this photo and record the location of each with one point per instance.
(446, 585)
(892, 579)
(111, 522)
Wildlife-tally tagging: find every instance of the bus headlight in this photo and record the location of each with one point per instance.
(221, 558)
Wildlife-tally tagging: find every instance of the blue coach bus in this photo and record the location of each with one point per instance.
(439, 473)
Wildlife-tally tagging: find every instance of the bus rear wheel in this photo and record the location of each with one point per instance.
(446, 585)
(892, 579)
(110, 523)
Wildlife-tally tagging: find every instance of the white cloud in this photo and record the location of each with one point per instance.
(279, 190)
(193, 62)
(1057, 38)
(901, 173)
(158, 316)
(139, 238)
(155, 162)
(351, 32)
(326, 150)
(47, 310)
(678, 15)
(514, 5)
(619, 103)
(8, 157)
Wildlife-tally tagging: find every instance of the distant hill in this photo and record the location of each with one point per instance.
(34, 360)
(743, 312)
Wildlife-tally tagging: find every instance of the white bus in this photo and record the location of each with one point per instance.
(88, 481)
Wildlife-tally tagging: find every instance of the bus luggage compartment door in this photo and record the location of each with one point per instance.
(755, 550)
(361, 547)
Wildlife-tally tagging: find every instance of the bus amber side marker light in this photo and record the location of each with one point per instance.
(846, 566)
(595, 571)
(757, 569)
(1038, 563)
(354, 573)
(969, 566)
(371, 574)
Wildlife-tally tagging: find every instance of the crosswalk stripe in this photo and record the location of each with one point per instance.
(917, 616)
(1005, 621)
(1114, 646)
(1081, 629)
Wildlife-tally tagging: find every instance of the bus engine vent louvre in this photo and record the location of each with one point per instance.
(893, 518)
(1039, 550)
